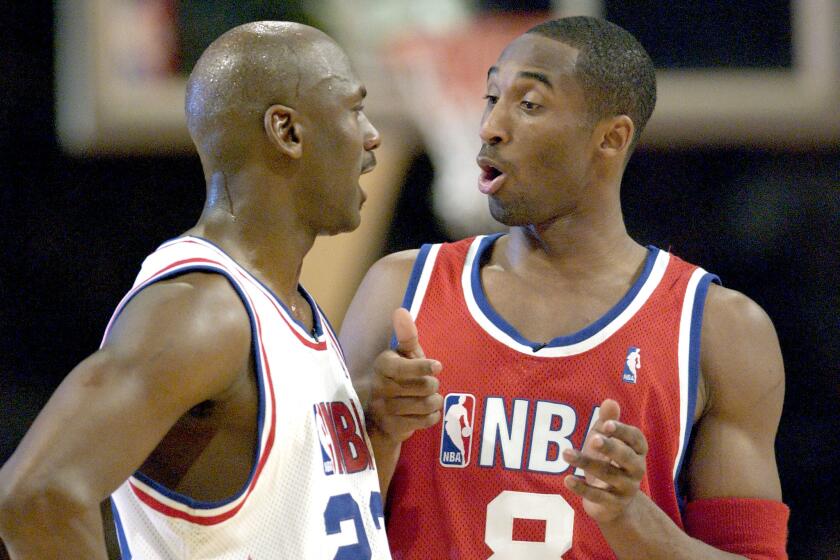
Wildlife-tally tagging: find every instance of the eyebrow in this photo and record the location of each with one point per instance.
(527, 74)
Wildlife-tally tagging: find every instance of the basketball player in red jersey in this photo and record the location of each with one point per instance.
(218, 413)
(614, 400)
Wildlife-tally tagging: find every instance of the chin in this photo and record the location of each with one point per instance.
(507, 215)
(349, 224)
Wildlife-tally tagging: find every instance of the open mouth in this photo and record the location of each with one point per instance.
(490, 179)
(488, 172)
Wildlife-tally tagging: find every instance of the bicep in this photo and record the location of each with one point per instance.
(113, 409)
(366, 330)
(733, 451)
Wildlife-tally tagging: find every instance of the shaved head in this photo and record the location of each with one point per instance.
(242, 73)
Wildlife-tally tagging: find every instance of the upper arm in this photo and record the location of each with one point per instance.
(742, 369)
(366, 329)
(176, 344)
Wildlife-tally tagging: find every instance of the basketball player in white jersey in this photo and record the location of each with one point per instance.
(218, 413)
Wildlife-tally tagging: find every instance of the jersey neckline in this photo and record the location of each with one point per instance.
(590, 336)
(313, 335)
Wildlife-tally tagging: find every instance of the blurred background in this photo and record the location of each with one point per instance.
(739, 171)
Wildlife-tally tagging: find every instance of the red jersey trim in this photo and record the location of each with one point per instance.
(154, 498)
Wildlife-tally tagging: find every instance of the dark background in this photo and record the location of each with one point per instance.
(73, 232)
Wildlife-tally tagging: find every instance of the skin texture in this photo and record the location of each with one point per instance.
(568, 249)
(276, 114)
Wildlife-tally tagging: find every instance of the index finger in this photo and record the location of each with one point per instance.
(401, 369)
(630, 435)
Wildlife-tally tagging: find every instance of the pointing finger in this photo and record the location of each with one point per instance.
(391, 365)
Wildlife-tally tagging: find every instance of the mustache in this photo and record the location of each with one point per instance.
(491, 153)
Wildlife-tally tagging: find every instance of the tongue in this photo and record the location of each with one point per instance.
(490, 181)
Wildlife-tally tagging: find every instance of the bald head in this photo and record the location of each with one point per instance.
(242, 73)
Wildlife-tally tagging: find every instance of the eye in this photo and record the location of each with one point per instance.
(528, 105)
(491, 99)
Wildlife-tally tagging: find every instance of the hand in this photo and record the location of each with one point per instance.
(613, 458)
(404, 395)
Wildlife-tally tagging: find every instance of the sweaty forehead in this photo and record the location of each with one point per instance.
(326, 66)
(536, 52)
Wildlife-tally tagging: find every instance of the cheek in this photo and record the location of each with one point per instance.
(563, 160)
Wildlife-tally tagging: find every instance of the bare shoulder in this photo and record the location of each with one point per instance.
(395, 266)
(384, 284)
(740, 356)
(194, 323)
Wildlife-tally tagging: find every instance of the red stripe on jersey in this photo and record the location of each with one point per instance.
(315, 345)
(165, 509)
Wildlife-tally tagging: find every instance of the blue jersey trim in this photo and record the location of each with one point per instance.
(413, 282)
(693, 368)
(317, 328)
(125, 552)
(583, 334)
(332, 330)
(261, 391)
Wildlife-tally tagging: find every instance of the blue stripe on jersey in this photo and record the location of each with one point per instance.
(317, 329)
(332, 330)
(693, 369)
(125, 552)
(586, 332)
(413, 281)
(261, 390)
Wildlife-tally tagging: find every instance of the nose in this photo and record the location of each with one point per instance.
(372, 137)
(492, 129)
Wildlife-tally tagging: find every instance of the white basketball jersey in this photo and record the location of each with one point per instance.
(313, 492)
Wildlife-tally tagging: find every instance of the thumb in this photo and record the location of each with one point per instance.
(610, 410)
(405, 331)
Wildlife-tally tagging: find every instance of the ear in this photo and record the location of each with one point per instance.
(616, 135)
(283, 129)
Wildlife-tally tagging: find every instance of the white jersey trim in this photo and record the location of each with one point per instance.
(688, 356)
(645, 285)
(169, 502)
(423, 281)
(306, 337)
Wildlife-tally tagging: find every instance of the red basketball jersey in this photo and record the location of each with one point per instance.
(487, 481)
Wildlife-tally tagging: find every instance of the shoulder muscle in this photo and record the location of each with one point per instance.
(741, 365)
(740, 355)
(191, 334)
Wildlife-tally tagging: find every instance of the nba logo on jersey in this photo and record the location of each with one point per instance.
(327, 448)
(456, 434)
(341, 435)
(631, 364)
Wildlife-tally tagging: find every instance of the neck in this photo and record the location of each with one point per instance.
(253, 219)
(582, 240)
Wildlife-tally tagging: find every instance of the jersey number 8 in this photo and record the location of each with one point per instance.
(559, 520)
